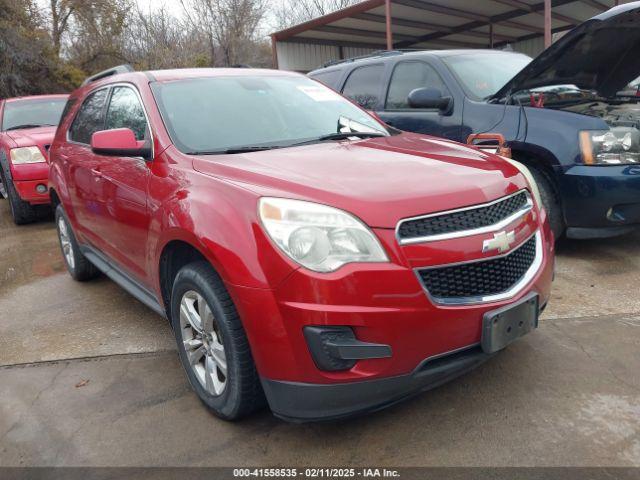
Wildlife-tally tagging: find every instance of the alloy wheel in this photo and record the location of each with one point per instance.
(203, 343)
(65, 242)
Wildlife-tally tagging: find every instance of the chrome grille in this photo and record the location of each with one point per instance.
(482, 280)
(466, 221)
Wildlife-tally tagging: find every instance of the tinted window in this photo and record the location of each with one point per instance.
(408, 76)
(363, 86)
(89, 118)
(125, 111)
(218, 113)
(32, 113)
(330, 79)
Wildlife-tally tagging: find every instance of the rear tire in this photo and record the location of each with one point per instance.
(212, 344)
(551, 202)
(79, 267)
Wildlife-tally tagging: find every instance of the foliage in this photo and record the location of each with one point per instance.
(49, 46)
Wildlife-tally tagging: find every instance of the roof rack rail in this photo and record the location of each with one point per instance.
(377, 53)
(107, 73)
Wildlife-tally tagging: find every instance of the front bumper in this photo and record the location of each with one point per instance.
(601, 201)
(307, 402)
(383, 304)
(28, 191)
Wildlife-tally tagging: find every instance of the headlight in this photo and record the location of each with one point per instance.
(618, 146)
(533, 185)
(318, 237)
(26, 155)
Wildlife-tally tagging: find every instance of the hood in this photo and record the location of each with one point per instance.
(601, 54)
(29, 137)
(380, 180)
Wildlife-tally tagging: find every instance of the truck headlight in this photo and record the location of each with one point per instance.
(618, 146)
(318, 237)
(23, 155)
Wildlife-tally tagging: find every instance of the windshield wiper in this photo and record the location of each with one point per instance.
(29, 125)
(232, 150)
(345, 135)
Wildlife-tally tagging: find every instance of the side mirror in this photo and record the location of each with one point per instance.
(119, 142)
(430, 98)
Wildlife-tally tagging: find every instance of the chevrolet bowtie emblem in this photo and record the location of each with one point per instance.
(501, 241)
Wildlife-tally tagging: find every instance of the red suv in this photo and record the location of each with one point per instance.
(27, 126)
(304, 252)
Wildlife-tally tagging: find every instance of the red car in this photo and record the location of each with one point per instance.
(304, 252)
(27, 127)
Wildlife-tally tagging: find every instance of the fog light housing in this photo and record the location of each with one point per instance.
(41, 188)
(336, 348)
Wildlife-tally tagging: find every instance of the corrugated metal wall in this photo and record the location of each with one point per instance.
(533, 47)
(304, 57)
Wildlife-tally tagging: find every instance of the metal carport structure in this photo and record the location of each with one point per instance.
(526, 25)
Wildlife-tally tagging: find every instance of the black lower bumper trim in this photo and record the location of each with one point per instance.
(307, 402)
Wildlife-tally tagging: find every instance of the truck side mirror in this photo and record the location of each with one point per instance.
(430, 98)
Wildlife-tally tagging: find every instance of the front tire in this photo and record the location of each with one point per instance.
(79, 267)
(550, 201)
(21, 211)
(212, 344)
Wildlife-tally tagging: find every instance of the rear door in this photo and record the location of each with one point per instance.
(125, 179)
(406, 76)
(86, 188)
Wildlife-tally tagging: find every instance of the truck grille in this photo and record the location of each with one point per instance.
(474, 281)
(456, 223)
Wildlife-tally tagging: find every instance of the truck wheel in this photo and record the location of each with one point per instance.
(550, 201)
(21, 211)
(78, 266)
(212, 344)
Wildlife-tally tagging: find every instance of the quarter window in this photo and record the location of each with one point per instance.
(363, 86)
(125, 111)
(89, 119)
(408, 76)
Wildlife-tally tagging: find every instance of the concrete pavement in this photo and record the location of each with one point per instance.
(89, 376)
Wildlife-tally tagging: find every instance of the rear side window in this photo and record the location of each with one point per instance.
(363, 86)
(125, 111)
(89, 119)
(408, 76)
(330, 79)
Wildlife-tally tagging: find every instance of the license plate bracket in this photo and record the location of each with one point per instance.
(503, 326)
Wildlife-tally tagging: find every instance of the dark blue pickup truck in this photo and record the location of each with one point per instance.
(572, 115)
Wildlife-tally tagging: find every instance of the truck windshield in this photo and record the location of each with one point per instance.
(241, 113)
(32, 113)
(483, 74)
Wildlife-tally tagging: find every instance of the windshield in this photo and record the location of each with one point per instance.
(483, 74)
(32, 113)
(224, 113)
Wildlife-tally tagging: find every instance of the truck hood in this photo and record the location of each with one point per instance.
(380, 180)
(601, 54)
(29, 137)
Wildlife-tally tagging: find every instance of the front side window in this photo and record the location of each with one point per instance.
(89, 119)
(408, 76)
(125, 111)
(215, 114)
(363, 86)
(32, 113)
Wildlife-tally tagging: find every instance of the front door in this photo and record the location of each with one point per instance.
(125, 181)
(407, 76)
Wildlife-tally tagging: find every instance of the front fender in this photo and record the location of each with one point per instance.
(220, 220)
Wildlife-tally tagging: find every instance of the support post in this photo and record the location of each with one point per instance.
(387, 11)
(491, 36)
(547, 23)
(274, 52)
